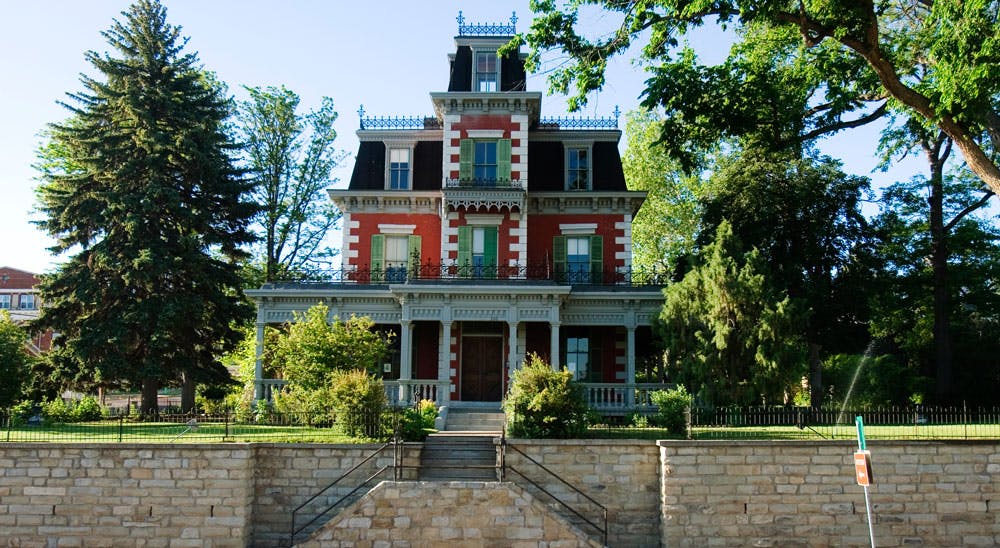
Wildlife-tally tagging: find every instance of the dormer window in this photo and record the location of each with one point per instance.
(578, 167)
(486, 71)
(399, 168)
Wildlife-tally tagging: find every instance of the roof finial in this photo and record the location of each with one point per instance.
(460, 19)
(513, 20)
(361, 117)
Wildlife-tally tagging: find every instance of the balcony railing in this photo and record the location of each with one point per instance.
(540, 272)
(580, 122)
(498, 184)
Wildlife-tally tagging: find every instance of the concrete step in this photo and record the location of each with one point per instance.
(476, 421)
(458, 456)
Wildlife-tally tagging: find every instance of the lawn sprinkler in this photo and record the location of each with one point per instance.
(192, 425)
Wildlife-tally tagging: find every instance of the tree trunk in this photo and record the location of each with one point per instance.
(149, 405)
(187, 392)
(944, 386)
(815, 376)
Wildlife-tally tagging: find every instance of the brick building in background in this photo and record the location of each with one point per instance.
(19, 297)
(484, 233)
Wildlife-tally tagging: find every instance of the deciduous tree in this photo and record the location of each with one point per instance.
(13, 360)
(936, 60)
(148, 204)
(290, 156)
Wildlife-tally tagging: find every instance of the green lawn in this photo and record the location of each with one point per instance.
(841, 432)
(168, 432)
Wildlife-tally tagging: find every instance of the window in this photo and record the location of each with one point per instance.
(486, 75)
(578, 168)
(399, 168)
(578, 259)
(477, 251)
(578, 357)
(393, 256)
(27, 302)
(483, 162)
(5, 302)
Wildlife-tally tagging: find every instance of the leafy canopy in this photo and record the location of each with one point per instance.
(314, 348)
(798, 70)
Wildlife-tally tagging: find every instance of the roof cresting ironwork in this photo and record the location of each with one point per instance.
(487, 29)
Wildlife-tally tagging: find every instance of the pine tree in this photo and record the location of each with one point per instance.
(140, 187)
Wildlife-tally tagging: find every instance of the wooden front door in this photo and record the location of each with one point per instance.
(482, 368)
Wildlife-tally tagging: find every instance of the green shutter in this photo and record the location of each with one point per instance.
(378, 255)
(490, 252)
(413, 256)
(503, 160)
(464, 250)
(466, 153)
(596, 259)
(559, 257)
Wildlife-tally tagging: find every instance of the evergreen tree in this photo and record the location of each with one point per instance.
(145, 196)
(729, 336)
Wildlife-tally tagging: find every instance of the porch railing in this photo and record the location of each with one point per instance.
(612, 398)
(414, 390)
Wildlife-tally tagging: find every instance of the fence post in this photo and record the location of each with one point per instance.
(10, 423)
(687, 421)
(225, 433)
(965, 420)
(121, 427)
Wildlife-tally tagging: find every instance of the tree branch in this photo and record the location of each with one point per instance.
(972, 207)
(879, 112)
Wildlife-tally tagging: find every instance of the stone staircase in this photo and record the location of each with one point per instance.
(465, 450)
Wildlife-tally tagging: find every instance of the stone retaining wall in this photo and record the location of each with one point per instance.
(674, 493)
(422, 513)
(794, 493)
(622, 475)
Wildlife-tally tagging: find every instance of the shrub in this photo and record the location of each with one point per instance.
(302, 405)
(358, 400)
(672, 406)
(22, 411)
(428, 411)
(87, 409)
(55, 411)
(543, 403)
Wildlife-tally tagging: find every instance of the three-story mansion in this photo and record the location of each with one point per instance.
(485, 233)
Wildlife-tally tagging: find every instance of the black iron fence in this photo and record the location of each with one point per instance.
(889, 423)
(524, 272)
(363, 426)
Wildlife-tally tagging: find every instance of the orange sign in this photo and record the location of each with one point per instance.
(863, 467)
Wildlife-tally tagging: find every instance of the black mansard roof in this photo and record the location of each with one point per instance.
(546, 166)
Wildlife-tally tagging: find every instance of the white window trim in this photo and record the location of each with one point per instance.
(387, 177)
(569, 146)
(484, 133)
(397, 229)
(475, 50)
(578, 229)
(484, 220)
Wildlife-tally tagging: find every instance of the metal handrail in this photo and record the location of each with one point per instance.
(335, 482)
(604, 510)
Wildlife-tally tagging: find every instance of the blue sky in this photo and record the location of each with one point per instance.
(386, 55)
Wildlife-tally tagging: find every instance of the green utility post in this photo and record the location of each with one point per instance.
(863, 471)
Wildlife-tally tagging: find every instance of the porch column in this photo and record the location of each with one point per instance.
(444, 364)
(630, 366)
(405, 359)
(258, 367)
(512, 346)
(554, 345)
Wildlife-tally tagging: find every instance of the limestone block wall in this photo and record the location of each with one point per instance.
(448, 513)
(287, 475)
(622, 475)
(153, 495)
(793, 493)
